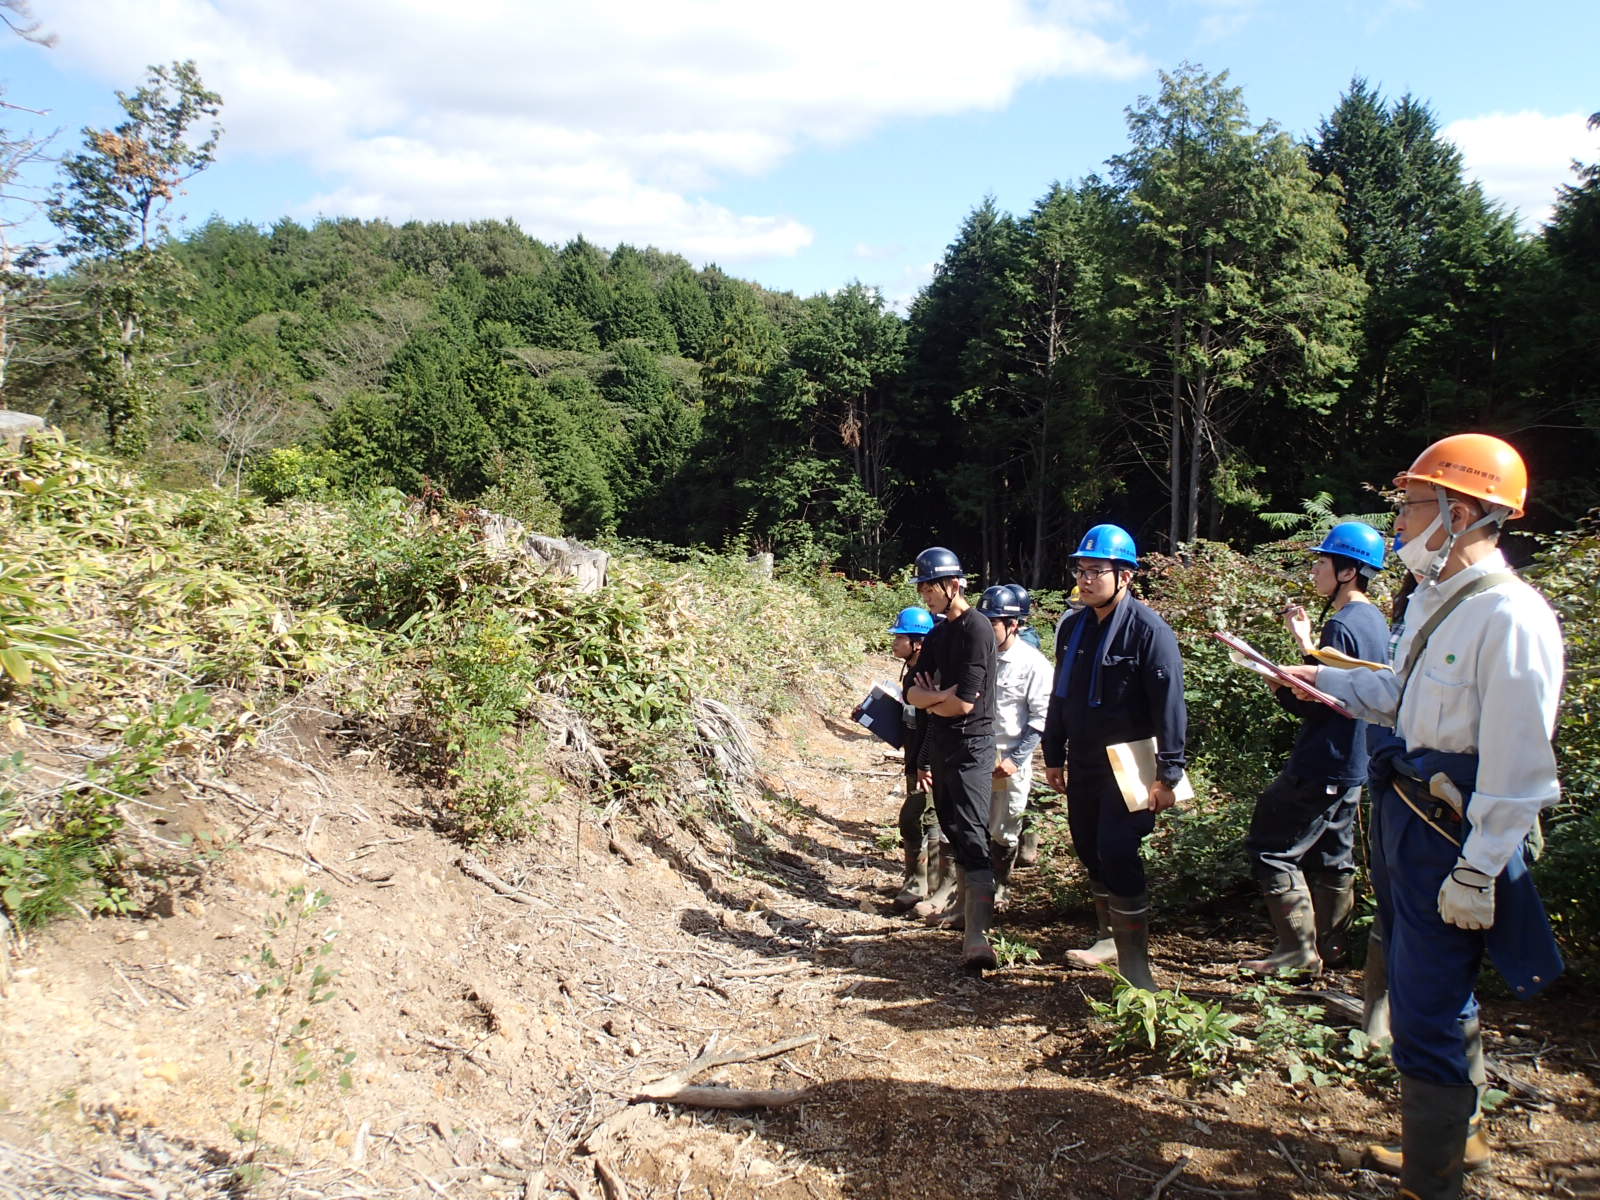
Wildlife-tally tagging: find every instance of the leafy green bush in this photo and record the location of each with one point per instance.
(1565, 570)
(127, 613)
(1225, 1047)
(1293, 1036)
(519, 491)
(296, 473)
(58, 833)
(1178, 1028)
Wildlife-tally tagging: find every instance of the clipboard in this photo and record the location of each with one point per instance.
(883, 713)
(1133, 765)
(1329, 657)
(1251, 659)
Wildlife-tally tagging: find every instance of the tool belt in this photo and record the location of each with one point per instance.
(1434, 812)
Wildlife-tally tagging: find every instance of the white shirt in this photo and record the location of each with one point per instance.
(1487, 684)
(1022, 692)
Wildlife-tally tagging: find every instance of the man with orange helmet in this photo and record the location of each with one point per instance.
(1472, 700)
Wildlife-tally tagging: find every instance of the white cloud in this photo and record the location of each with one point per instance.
(869, 252)
(1222, 19)
(615, 116)
(901, 291)
(1521, 158)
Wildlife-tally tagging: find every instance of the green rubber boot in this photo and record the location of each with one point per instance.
(913, 840)
(1130, 930)
(1475, 1154)
(942, 892)
(1375, 988)
(1434, 1122)
(1294, 921)
(1001, 859)
(1333, 898)
(954, 914)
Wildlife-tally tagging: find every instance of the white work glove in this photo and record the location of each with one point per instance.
(1467, 898)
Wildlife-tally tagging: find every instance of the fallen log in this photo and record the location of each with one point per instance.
(736, 1099)
(675, 1089)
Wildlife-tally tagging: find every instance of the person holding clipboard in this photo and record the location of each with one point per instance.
(1301, 844)
(1119, 680)
(1472, 700)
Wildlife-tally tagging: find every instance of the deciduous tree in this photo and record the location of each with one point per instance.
(112, 208)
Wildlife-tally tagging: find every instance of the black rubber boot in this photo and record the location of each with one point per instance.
(939, 898)
(1391, 1158)
(1375, 988)
(1296, 927)
(1104, 950)
(1433, 1130)
(1001, 859)
(1130, 930)
(976, 953)
(1333, 898)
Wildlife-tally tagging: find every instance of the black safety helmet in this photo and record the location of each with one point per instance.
(936, 563)
(1001, 603)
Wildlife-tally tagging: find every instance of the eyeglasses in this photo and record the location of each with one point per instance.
(1402, 505)
(1090, 574)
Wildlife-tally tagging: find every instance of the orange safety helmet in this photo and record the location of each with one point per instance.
(1476, 465)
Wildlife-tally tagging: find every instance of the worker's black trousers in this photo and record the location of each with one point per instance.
(1104, 833)
(963, 771)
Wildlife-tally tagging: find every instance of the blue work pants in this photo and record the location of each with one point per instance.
(1433, 966)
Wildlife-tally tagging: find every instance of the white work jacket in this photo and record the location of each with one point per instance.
(1487, 684)
(1022, 693)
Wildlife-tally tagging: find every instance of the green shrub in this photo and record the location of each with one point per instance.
(1177, 1028)
(296, 473)
(519, 492)
(58, 836)
(1292, 1036)
(1565, 570)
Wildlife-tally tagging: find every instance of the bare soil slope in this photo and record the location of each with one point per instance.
(503, 1010)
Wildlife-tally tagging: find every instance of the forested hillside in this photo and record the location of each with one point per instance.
(1224, 323)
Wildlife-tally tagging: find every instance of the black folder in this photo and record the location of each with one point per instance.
(883, 712)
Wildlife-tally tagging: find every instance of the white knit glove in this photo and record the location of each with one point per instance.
(1467, 898)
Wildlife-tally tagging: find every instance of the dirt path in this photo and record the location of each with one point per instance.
(500, 1028)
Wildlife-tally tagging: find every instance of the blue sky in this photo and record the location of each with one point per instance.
(799, 145)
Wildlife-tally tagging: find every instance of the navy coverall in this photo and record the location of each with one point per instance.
(1117, 680)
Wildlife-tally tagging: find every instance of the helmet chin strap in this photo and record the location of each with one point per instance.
(1493, 515)
(1116, 593)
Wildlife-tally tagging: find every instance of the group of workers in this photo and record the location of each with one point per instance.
(1447, 719)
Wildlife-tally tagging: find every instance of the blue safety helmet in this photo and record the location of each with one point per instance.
(1110, 542)
(936, 563)
(914, 622)
(1001, 603)
(1357, 540)
(1023, 598)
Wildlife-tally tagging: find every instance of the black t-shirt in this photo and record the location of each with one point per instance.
(1076, 707)
(961, 652)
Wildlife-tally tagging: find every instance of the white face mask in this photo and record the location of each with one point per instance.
(1414, 552)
